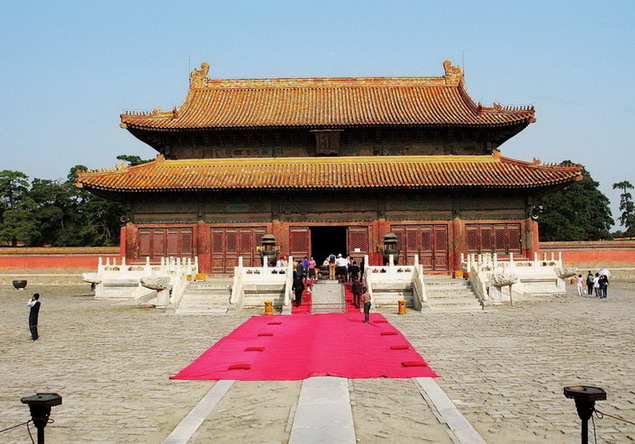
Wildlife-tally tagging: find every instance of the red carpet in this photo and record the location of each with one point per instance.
(305, 307)
(272, 348)
(350, 307)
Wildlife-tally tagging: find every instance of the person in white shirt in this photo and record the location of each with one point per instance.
(341, 267)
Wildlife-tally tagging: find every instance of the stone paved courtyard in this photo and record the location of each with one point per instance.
(504, 369)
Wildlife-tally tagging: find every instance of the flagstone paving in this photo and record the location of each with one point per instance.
(503, 368)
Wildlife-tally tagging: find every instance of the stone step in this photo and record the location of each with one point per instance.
(450, 295)
(209, 311)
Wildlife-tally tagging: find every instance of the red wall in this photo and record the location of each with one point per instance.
(70, 258)
(602, 253)
(28, 262)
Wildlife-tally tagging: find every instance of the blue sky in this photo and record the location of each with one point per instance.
(69, 68)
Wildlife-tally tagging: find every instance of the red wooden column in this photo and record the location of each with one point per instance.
(202, 247)
(122, 241)
(458, 243)
(533, 237)
(131, 241)
(281, 231)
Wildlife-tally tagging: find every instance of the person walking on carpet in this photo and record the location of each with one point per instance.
(367, 303)
(298, 289)
(356, 288)
(34, 312)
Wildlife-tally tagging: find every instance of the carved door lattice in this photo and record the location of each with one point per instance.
(228, 244)
(299, 242)
(494, 238)
(163, 242)
(357, 242)
(429, 241)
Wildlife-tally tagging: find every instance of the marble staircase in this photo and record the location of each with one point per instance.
(388, 293)
(206, 297)
(446, 294)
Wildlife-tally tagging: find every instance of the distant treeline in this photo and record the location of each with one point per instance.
(42, 212)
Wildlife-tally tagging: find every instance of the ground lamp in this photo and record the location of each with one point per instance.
(585, 397)
(390, 247)
(268, 250)
(40, 405)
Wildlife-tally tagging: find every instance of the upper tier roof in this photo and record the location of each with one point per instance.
(327, 103)
(328, 173)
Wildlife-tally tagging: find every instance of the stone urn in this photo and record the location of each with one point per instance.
(19, 284)
(268, 250)
(390, 247)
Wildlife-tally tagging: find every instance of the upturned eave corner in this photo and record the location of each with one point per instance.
(453, 74)
(198, 77)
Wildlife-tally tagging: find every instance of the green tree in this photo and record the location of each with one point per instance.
(133, 160)
(16, 222)
(627, 207)
(577, 213)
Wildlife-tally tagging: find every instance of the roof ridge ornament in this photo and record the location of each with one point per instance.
(198, 77)
(453, 74)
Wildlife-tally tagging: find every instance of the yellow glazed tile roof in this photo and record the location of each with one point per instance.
(324, 173)
(327, 103)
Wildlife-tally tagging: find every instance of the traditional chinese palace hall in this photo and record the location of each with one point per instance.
(329, 165)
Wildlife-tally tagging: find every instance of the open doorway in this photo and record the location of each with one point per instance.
(326, 241)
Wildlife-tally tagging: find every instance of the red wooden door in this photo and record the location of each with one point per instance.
(230, 243)
(494, 238)
(514, 243)
(426, 256)
(299, 242)
(164, 242)
(429, 242)
(441, 248)
(357, 242)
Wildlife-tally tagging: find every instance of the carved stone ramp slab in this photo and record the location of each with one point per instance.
(324, 413)
(328, 297)
(459, 426)
(190, 424)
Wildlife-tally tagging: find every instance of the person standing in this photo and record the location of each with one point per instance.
(367, 302)
(298, 289)
(305, 266)
(299, 269)
(34, 312)
(604, 285)
(589, 283)
(579, 284)
(354, 270)
(312, 266)
(596, 284)
(332, 267)
(356, 288)
(341, 268)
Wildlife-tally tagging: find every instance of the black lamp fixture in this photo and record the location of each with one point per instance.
(585, 397)
(40, 405)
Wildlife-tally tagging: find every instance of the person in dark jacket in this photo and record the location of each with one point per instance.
(34, 312)
(354, 271)
(589, 283)
(299, 270)
(604, 286)
(356, 288)
(298, 289)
